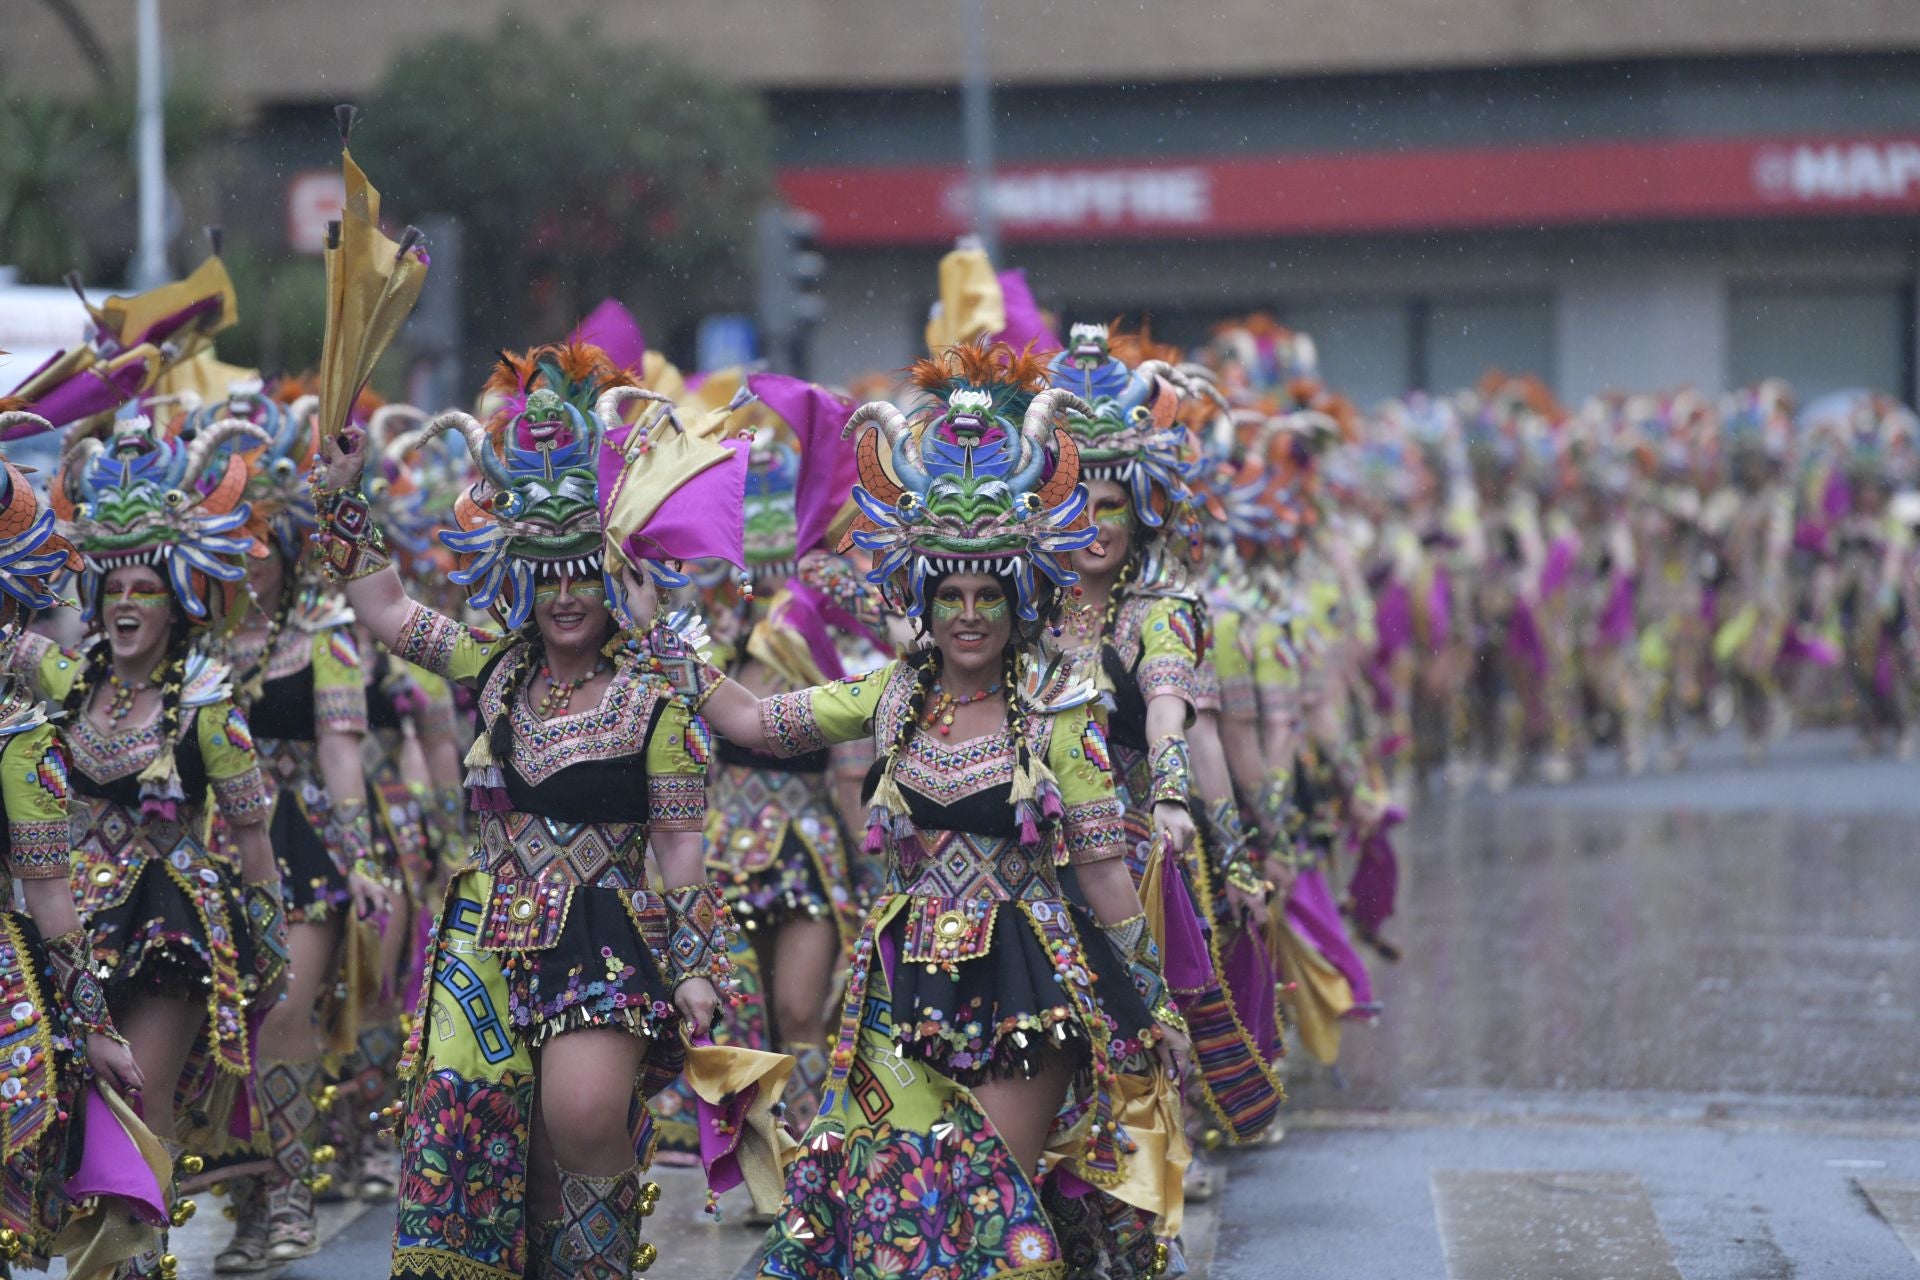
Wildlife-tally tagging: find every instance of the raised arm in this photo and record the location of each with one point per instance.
(350, 543)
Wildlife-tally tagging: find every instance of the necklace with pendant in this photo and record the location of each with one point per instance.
(940, 714)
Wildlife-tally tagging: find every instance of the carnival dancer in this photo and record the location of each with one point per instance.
(560, 979)
(1752, 522)
(190, 940)
(980, 998)
(48, 971)
(1134, 616)
(776, 841)
(298, 678)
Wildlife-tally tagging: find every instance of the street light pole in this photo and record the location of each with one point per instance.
(150, 147)
(976, 99)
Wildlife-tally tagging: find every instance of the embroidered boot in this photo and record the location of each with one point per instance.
(247, 1251)
(289, 1093)
(599, 1232)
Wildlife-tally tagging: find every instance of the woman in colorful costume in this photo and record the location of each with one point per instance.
(776, 839)
(63, 1034)
(555, 963)
(1135, 617)
(190, 941)
(297, 677)
(979, 999)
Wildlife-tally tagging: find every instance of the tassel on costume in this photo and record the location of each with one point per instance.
(486, 785)
(161, 794)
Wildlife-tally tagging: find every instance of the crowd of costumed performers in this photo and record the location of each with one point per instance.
(936, 808)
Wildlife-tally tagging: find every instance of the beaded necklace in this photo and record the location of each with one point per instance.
(559, 694)
(124, 693)
(940, 714)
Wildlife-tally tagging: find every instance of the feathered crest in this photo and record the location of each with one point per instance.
(982, 366)
(577, 372)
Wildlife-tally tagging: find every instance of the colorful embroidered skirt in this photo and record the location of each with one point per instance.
(903, 1174)
(777, 848)
(178, 927)
(468, 1073)
(40, 1082)
(316, 887)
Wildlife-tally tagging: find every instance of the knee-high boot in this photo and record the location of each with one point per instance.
(598, 1237)
(289, 1094)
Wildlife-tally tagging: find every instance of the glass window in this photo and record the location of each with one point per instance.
(1366, 348)
(1465, 337)
(1818, 336)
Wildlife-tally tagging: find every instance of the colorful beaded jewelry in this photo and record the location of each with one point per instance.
(1171, 765)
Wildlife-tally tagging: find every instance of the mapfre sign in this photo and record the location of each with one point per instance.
(1850, 173)
(315, 197)
(1307, 193)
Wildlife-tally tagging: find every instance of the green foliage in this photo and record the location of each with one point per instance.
(49, 153)
(283, 309)
(67, 172)
(578, 169)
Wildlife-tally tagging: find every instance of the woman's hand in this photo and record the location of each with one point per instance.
(1175, 1052)
(342, 457)
(113, 1062)
(1247, 907)
(1172, 823)
(697, 1002)
(371, 901)
(1283, 876)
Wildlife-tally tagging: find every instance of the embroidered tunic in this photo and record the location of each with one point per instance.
(42, 1062)
(165, 912)
(984, 967)
(551, 924)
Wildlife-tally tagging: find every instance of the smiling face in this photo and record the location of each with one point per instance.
(571, 614)
(137, 611)
(971, 619)
(1112, 510)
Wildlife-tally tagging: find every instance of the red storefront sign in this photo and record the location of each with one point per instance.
(1428, 190)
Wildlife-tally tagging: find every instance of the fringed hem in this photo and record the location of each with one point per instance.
(635, 1022)
(414, 1260)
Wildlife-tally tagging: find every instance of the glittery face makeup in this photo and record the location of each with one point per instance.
(990, 603)
(146, 599)
(1113, 515)
(584, 592)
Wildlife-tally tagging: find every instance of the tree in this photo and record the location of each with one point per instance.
(578, 170)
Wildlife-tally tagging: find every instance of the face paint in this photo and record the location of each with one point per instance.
(145, 599)
(585, 592)
(945, 610)
(1117, 518)
(991, 609)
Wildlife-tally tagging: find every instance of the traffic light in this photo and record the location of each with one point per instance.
(790, 273)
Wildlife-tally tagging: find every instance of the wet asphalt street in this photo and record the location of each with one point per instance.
(1655, 1028)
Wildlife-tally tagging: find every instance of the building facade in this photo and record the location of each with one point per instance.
(1610, 194)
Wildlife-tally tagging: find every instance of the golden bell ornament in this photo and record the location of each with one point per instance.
(1162, 1258)
(10, 1245)
(183, 1213)
(645, 1256)
(1212, 1139)
(650, 1192)
(321, 1183)
(169, 1267)
(218, 1188)
(190, 1164)
(324, 1153)
(230, 1212)
(328, 1096)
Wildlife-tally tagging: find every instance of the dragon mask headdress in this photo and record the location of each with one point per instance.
(534, 513)
(1134, 435)
(31, 553)
(276, 490)
(145, 496)
(966, 487)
